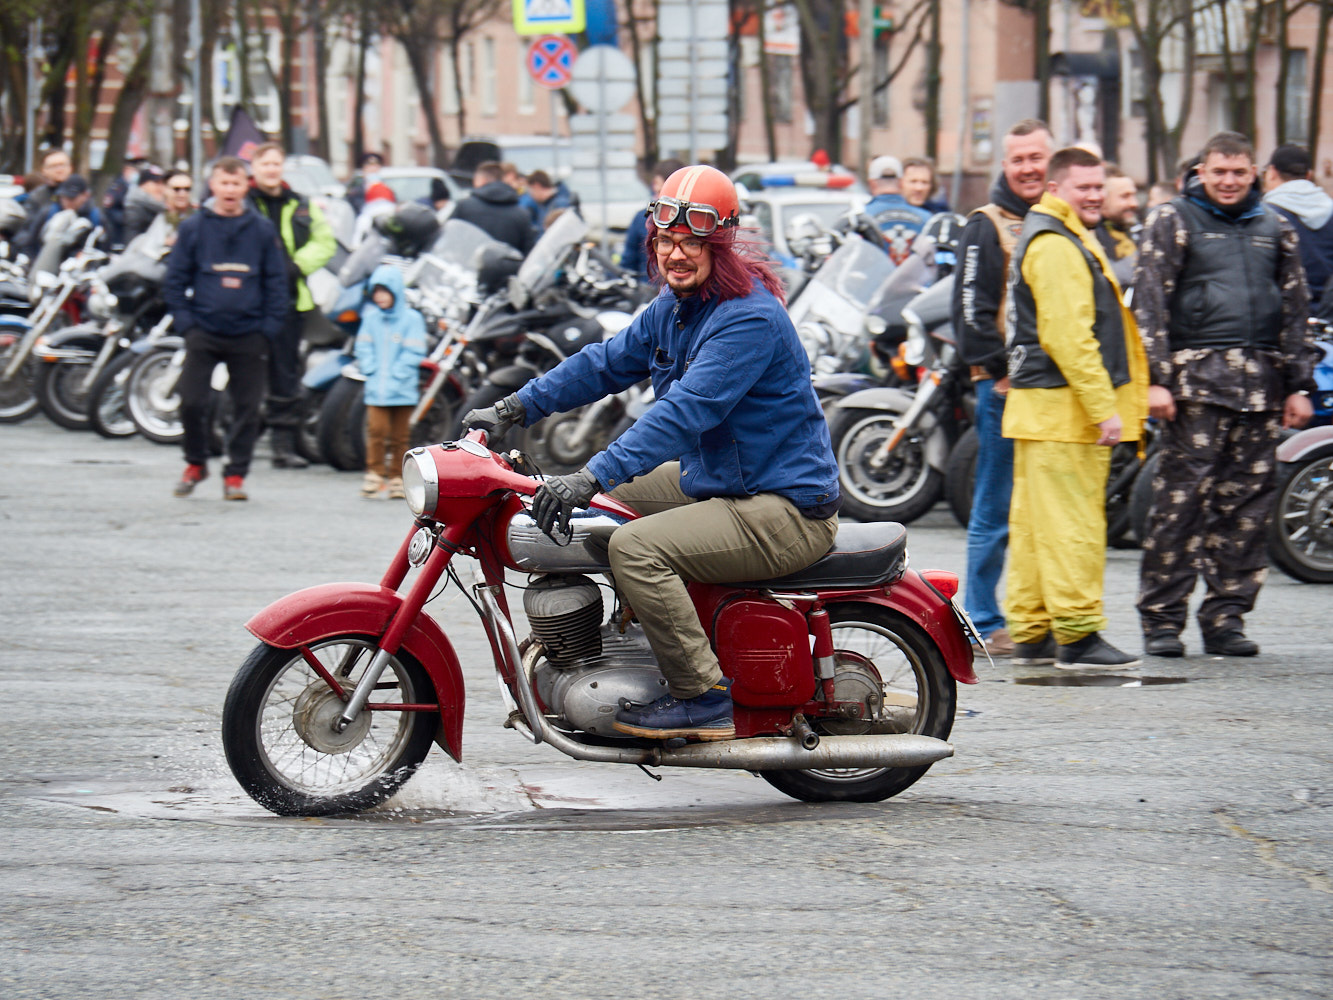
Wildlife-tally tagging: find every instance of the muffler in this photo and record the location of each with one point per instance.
(765, 753)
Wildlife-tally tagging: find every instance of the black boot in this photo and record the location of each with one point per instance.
(284, 449)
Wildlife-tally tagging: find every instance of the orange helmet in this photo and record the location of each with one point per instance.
(696, 199)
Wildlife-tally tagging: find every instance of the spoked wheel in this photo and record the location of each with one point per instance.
(903, 488)
(277, 728)
(151, 397)
(107, 409)
(893, 667)
(1300, 539)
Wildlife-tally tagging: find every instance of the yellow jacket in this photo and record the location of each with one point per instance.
(1062, 289)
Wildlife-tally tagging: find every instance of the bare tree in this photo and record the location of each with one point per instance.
(1154, 23)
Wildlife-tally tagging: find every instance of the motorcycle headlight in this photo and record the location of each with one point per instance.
(421, 482)
(101, 302)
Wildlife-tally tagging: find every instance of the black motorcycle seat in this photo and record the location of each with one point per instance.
(863, 555)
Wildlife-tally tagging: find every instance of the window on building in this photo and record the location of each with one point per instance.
(227, 83)
(780, 78)
(448, 85)
(1298, 97)
(527, 103)
(489, 104)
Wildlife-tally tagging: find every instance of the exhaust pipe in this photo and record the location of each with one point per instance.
(764, 753)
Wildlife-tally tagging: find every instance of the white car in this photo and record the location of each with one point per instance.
(773, 210)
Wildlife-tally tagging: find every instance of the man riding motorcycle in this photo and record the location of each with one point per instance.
(732, 467)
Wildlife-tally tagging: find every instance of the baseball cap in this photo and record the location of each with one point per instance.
(885, 166)
(1291, 160)
(72, 186)
(152, 172)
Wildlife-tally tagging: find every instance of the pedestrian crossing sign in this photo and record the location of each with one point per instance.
(546, 17)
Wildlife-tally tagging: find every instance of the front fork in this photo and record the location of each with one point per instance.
(445, 546)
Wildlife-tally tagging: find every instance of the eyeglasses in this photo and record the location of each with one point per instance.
(702, 220)
(690, 246)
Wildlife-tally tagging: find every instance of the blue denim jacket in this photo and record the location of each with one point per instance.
(734, 399)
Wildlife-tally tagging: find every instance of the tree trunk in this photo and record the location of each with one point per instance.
(1249, 115)
(455, 51)
(1283, 53)
(133, 89)
(1317, 83)
(289, 27)
(321, 145)
(934, 51)
(419, 49)
(1041, 43)
(727, 155)
(646, 122)
(359, 98)
(766, 85)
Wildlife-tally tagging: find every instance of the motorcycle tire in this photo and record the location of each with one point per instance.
(59, 392)
(919, 695)
(108, 413)
(154, 409)
(342, 426)
(307, 432)
(960, 475)
(1140, 496)
(1300, 536)
(1124, 473)
(18, 401)
(903, 490)
(277, 735)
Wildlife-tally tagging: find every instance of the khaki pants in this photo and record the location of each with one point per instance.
(1057, 541)
(722, 540)
(387, 431)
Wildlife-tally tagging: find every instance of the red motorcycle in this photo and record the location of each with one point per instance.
(843, 674)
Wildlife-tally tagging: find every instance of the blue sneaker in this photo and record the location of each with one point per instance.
(706, 717)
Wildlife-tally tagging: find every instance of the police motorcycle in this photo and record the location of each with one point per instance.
(124, 303)
(444, 281)
(844, 674)
(58, 284)
(563, 297)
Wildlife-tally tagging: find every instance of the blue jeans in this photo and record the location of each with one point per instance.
(988, 526)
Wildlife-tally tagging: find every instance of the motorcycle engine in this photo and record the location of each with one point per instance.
(588, 667)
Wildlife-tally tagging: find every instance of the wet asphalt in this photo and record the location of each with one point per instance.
(1167, 834)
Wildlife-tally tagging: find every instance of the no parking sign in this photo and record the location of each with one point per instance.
(551, 60)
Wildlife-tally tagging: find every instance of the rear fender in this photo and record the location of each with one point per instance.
(333, 609)
(913, 598)
(1303, 444)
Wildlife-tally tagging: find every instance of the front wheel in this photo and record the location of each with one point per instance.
(1300, 538)
(342, 425)
(960, 475)
(62, 393)
(150, 395)
(18, 402)
(278, 736)
(893, 666)
(903, 488)
(107, 410)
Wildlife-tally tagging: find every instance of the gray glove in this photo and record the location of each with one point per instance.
(497, 419)
(559, 496)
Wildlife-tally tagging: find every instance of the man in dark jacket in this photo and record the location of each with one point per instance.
(493, 206)
(1221, 303)
(144, 202)
(232, 259)
(1309, 209)
(542, 197)
(987, 242)
(56, 168)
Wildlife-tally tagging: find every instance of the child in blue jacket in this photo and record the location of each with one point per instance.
(389, 349)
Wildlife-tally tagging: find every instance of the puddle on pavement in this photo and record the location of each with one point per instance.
(1097, 680)
(446, 794)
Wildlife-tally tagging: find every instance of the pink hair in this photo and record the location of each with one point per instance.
(738, 262)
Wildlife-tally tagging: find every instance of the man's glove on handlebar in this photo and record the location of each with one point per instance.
(560, 496)
(497, 419)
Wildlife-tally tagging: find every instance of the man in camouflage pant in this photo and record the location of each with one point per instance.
(1221, 304)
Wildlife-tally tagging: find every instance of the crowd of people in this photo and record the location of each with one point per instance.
(1216, 349)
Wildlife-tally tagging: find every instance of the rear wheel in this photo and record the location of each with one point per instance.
(895, 667)
(151, 397)
(960, 475)
(278, 736)
(307, 432)
(342, 425)
(1300, 539)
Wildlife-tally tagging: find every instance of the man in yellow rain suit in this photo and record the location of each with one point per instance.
(1079, 386)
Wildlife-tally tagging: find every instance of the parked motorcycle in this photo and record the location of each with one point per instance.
(844, 673)
(891, 443)
(124, 301)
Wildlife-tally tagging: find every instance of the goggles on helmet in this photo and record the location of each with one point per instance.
(701, 220)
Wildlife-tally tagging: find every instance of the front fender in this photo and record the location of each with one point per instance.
(1303, 443)
(333, 609)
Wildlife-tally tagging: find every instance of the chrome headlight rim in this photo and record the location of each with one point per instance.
(421, 482)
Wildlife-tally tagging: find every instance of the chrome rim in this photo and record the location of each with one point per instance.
(296, 745)
(903, 476)
(1306, 514)
(152, 408)
(903, 688)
